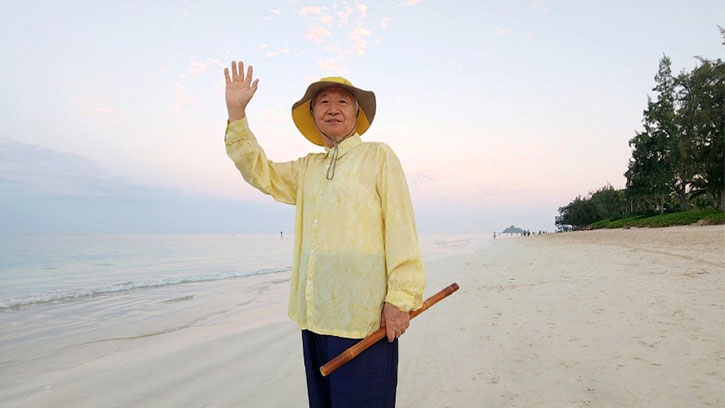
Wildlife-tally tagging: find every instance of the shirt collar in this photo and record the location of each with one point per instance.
(345, 146)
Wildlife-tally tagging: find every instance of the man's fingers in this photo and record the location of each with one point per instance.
(394, 333)
(248, 79)
(235, 75)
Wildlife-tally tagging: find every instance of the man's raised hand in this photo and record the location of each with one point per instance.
(239, 90)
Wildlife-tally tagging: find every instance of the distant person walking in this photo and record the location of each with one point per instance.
(356, 262)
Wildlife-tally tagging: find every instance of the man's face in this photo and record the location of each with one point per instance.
(334, 112)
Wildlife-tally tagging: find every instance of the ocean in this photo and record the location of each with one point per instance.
(40, 269)
(69, 289)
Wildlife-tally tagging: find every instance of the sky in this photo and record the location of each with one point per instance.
(112, 116)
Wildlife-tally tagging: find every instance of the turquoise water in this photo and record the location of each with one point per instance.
(36, 269)
(47, 269)
(61, 291)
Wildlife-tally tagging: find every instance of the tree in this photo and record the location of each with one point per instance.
(579, 213)
(678, 156)
(702, 119)
(606, 203)
(651, 168)
(640, 169)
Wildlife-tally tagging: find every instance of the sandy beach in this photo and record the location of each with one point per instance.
(613, 318)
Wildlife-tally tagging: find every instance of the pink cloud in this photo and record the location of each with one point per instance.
(409, 3)
(358, 39)
(385, 22)
(326, 19)
(317, 33)
(363, 9)
(344, 15)
(306, 11)
(271, 54)
(217, 63)
(196, 67)
(332, 65)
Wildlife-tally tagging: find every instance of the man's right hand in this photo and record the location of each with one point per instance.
(239, 90)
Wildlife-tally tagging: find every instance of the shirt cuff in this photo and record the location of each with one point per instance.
(236, 131)
(404, 300)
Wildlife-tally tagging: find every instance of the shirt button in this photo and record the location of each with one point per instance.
(315, 220)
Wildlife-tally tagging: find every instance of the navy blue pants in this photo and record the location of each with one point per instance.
(368, 381)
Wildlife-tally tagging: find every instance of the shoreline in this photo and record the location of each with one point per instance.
(592, 318)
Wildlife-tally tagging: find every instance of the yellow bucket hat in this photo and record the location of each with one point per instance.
(305, 122)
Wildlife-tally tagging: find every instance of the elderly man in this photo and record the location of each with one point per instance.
(356, 263)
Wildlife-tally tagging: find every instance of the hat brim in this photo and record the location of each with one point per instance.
(305, 122)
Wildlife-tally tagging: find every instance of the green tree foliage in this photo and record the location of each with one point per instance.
(579, 213)
(604, 203)
(651, 169)
(607, 202)
(678, 159)
(702, 121)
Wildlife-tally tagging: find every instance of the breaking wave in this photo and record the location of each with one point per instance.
(73, 294)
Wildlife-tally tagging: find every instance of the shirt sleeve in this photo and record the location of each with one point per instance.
(404, 267)
(276, 179)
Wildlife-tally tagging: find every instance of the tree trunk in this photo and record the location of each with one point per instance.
(722, 199)
(662, 204)
(681, 191)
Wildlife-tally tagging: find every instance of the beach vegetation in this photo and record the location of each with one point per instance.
(707, 217)
(676, 174)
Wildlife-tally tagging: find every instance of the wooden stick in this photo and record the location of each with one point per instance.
(375, 336)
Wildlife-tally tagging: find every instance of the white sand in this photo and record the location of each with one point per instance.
(601, 319)
(588, 319)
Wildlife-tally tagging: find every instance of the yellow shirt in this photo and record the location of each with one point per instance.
(355, 238)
